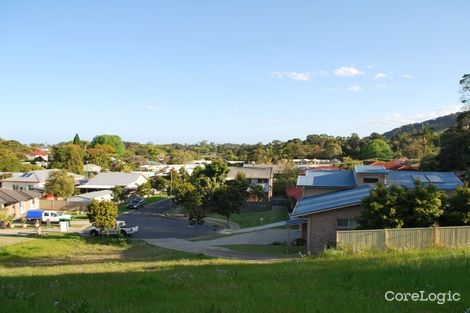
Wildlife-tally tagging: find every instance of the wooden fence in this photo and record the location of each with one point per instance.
(60, 205)
(404, 238)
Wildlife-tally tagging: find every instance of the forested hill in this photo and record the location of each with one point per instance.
(438, 124)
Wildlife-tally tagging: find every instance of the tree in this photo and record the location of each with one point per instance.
(76, 140)
(68, 157)
(119, 195)
(227, 200)
(381, 208)
(376, 149)
(145, 189)
(421, 206)
(100, 155)
(256, 191)
(286, 178)
(455, 145)
(60, 184)
(9, 161)
(465, 88)
(111, 140)
(159, 183)
(457, 212)
(103, 214)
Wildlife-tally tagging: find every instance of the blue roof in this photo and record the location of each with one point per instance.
(331, 201)
(442, 180)
(370, 169)
(295, 221)
(327, 178)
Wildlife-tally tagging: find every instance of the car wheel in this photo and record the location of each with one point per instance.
(123, 233)
(94, 233)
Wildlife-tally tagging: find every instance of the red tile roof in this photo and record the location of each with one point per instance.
(295, 192)
(38, 152)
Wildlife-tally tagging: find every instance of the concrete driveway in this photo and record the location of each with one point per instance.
(213, 247)
(153, 224)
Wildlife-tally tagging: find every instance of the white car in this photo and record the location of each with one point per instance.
(120, 230)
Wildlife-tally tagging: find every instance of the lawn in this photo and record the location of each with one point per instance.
(77, 274)
(252, 218)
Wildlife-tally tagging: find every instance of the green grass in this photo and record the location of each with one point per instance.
(75, 274)
(252, 218)
(274, 250)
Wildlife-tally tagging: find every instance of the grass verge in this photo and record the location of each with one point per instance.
(274, 250)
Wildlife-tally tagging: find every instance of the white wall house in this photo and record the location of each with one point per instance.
(35, 180)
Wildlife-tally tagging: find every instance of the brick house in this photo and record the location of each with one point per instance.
(332, 202)
(18, 202)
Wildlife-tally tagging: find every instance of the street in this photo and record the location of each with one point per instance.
(152, 224)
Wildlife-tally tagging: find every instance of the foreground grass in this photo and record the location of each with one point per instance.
(252, 218)
(75, 274)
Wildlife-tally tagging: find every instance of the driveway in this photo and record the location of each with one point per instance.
(213, 247)
(153, 224)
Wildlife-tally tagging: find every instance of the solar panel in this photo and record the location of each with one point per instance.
(435, 178)
(421, 178)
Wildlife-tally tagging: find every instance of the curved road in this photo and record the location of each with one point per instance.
(152, 224)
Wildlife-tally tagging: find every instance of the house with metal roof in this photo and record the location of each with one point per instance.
(111, 180)
(85, 199)
(339, 207)
(34, 180)
(18, 202)
(263, 175)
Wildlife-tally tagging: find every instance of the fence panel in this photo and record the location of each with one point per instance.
(410, 238)
(404, 238)
(370, 239)
(454, 236)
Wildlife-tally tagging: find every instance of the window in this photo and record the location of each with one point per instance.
(370, 180)
(30, 187)
(261, 181)
(346, 223)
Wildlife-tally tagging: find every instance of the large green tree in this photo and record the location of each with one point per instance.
(103, 214)
(382, 208)
(376, 149)
(421, 206)
(60, 184)
(227, 200)
(457, 212)
(8, 161)
(111, 140)
(68, 157)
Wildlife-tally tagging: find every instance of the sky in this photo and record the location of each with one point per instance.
(239, 71)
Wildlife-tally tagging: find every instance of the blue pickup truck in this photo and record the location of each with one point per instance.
(43, 216)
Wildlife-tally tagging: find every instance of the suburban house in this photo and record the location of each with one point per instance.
(332, 199)
(35, 180)
(111, 180)
(18, 202)
(85, 199)
(263, 176)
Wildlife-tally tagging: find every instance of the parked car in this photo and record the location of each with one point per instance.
(136, 203)
(43, 216)
(120, 229)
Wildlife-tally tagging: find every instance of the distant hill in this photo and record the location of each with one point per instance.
(438, 124)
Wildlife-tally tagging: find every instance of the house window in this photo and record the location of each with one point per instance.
(15, 187)
(30, 187)
(260, 181)
(370, 180)
(346, 223)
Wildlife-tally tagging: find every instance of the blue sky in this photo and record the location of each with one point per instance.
(226, 71)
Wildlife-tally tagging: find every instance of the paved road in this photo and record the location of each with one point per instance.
(152, 224)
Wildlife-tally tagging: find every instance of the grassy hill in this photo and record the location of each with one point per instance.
(438, 124)
(87, 275)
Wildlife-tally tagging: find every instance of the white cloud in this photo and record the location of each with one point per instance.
(347, 71)
(352, 88)
(402, 119)
(407, 76)
(302, 76)
(152, 108)
(380, 75)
